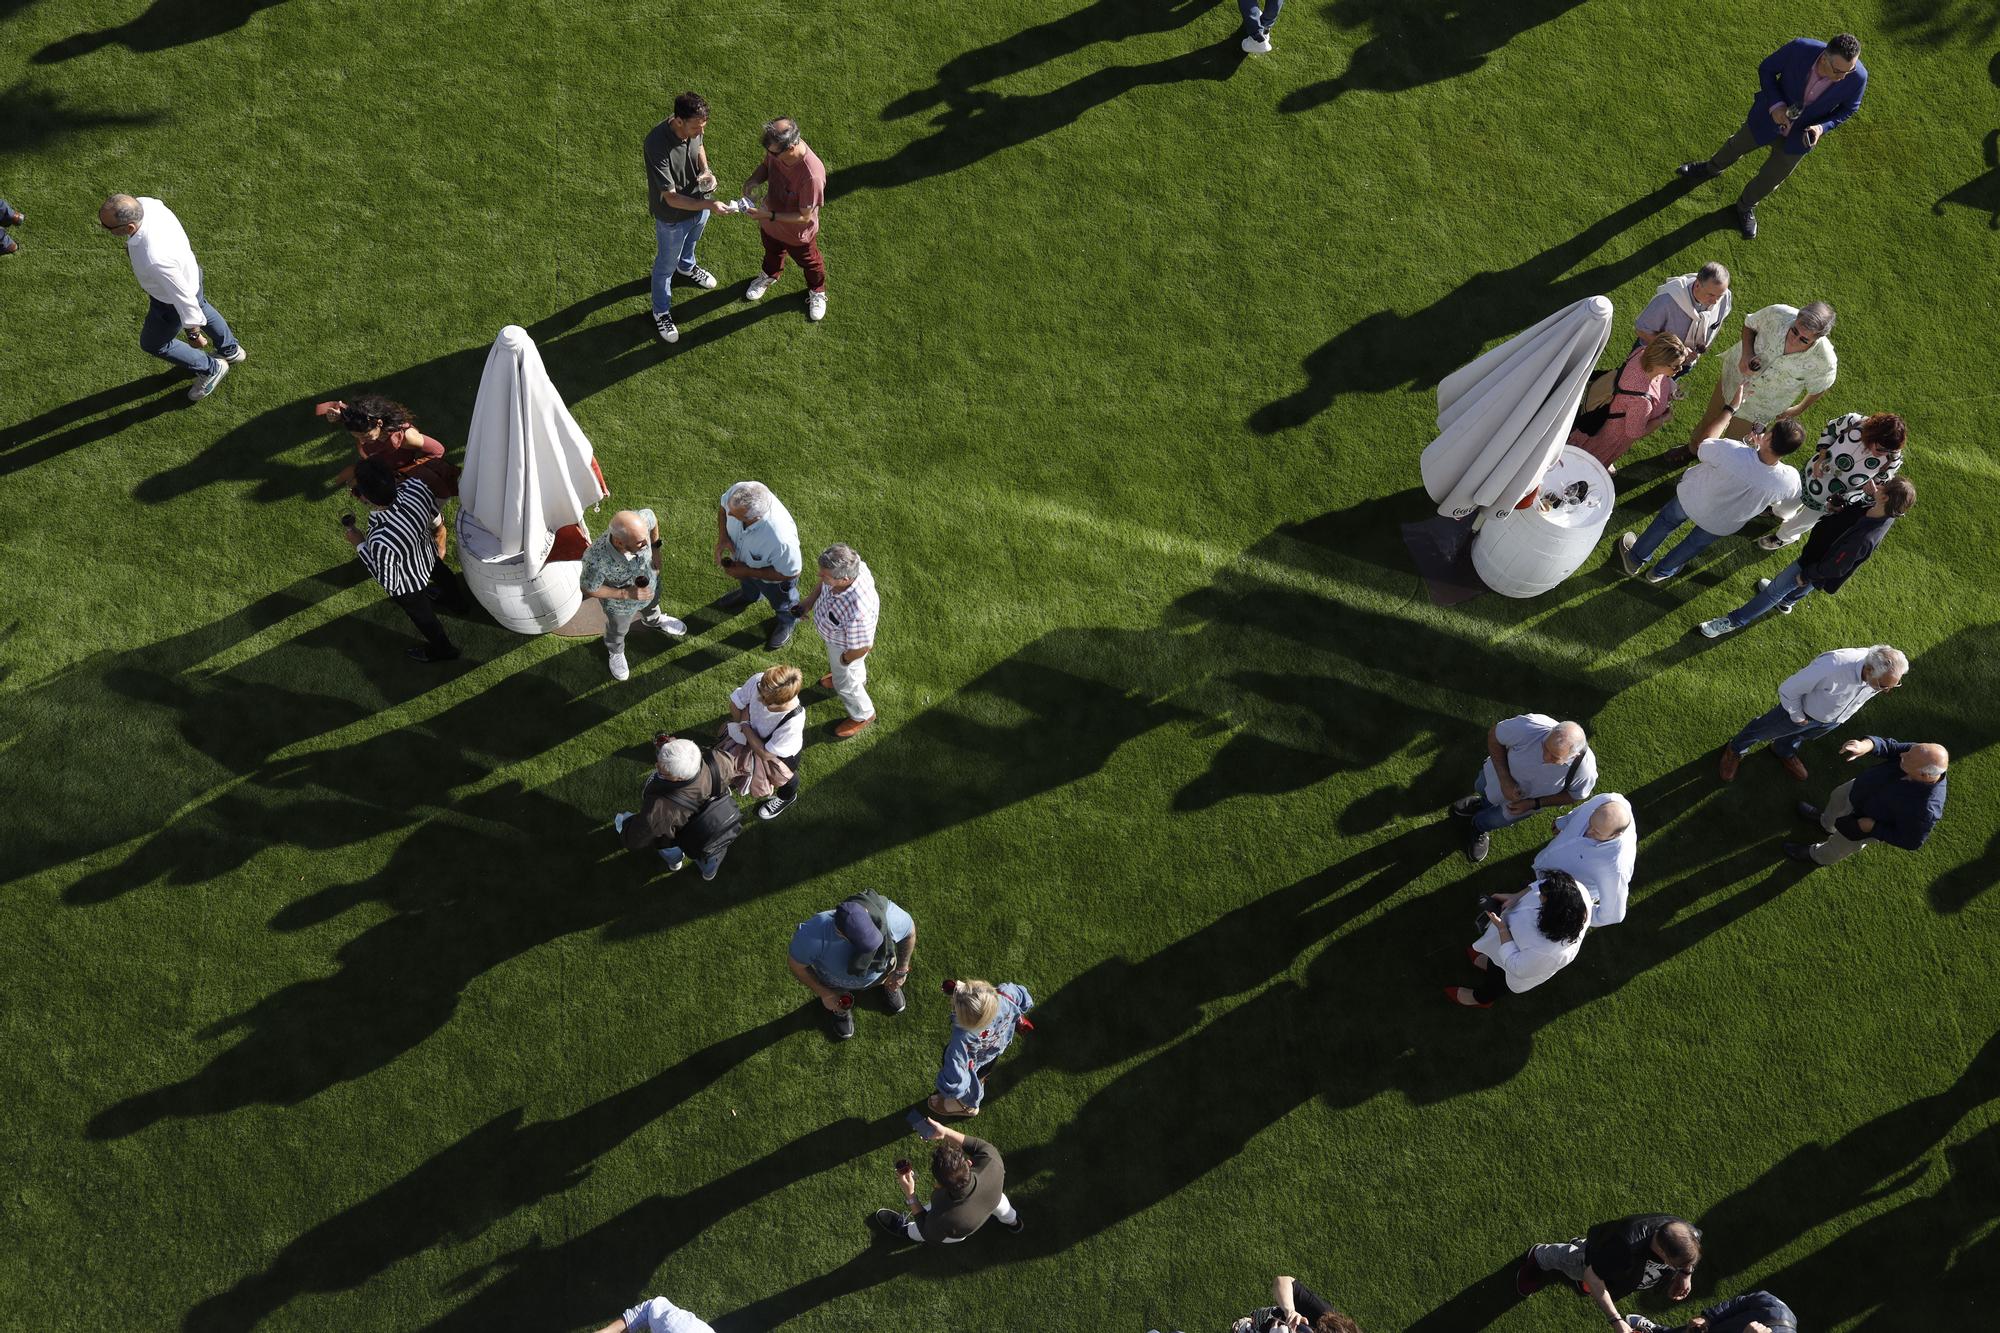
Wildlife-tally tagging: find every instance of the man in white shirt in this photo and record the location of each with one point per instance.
(1826, 692)
(163, 261)
(757, 544)
(658, 1315)
(1733, 483)
(1598, 845)
(1533, 762)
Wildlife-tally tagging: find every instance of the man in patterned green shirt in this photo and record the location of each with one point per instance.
(622, 571)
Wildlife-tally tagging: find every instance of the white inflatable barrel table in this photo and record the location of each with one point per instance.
(527, 604)
(1526, 552)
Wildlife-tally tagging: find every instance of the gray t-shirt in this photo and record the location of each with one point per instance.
(672, 163)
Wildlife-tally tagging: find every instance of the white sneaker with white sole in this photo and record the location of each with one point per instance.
(758, 286)
(664, 623)
(1257, 46)
(815, 306)
(237, 357)
(619, 671)
(205, 386)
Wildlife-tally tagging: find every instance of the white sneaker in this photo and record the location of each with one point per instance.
(669, 333)
(237, 357)
(758, 286)
(619, 671)
(815, 306)
(205, 386)
(1716, 628)
(1773, 542)
(1257, 46)
(664, 623)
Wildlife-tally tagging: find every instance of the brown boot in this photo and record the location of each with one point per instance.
(852, 727)
(1790, 763)
(1731, 761)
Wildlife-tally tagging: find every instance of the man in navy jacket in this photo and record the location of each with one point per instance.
(1757, 1312)
(1898, 802)
(1806, 88)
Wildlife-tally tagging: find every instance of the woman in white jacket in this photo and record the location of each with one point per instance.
(1531, 936)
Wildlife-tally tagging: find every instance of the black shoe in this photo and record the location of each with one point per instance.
(781, 635)
(843, 1025)
(8, 245)
(1799, 851)
(736, 601)
(1015, 1225)
(1746, 218)
(896, 1000)
(1477, 849)
(890, 1223)
(1530, 1277)
(425, 653)
(1699, 171)
(1465, 807)
(773, 806)
(1809, 812)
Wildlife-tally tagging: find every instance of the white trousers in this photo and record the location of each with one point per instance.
(1798, 521)
(850, 682)
(1002, 1210)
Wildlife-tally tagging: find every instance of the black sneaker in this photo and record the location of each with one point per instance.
(1015, 1225)
(1700, 171)
(890, 1223)
(1465, 807)
(665, 324)
(1476, 850)
(781, 635)
(1808, 812)
(896, 1000)
(1800, 851)
(843, 1025)
(1746, 218)
(773, 806)
(424, 653)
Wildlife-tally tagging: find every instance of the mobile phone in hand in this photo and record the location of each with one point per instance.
(921, 1123)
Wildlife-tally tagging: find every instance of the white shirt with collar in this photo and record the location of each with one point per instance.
(1828, 689)
(163, 261)
(772, 542)
(1604, 869)
(783, 739)
(1536, 777)
(660, 1315)
(1732, 484)
(1530, 957)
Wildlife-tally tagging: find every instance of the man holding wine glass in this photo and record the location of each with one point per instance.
(621, 570)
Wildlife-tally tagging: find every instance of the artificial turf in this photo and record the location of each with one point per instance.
(328, 1001)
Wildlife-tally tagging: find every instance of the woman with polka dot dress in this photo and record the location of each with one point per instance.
(1853, 450)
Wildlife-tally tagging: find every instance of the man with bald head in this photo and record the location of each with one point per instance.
(1898, 801)
(164, 263)
(621, 571)
(1533, 762)
(1596, 844)
(1812, 701)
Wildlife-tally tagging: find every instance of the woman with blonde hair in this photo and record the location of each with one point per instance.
(983, 1019)
(764, 735)
(1622, 408)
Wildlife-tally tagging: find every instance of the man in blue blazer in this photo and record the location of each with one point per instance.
(1806, 88)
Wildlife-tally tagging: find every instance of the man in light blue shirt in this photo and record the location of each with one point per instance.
(865, 941)
(757, 544)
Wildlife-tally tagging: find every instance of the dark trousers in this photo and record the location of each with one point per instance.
(1492, 983)
(1778, 165)
(421, 607)
(808, 256)
(790, 791)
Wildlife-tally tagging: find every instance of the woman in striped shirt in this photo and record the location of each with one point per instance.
(400, 550)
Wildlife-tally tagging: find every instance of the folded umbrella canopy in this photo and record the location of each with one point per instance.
(1503, 418)
(529, 475)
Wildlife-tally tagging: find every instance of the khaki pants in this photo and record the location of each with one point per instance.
(1778, 165)
(1837, 846)
(850, 682)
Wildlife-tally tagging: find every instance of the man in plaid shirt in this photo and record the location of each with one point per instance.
(844, 609)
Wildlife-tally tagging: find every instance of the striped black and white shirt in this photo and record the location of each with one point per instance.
(399, 549)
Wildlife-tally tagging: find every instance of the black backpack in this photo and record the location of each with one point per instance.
(711, 829)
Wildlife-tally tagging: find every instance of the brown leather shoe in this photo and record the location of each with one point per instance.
(1791, 765)
(941, 1105)
(1731, 761)
(851, 727)
(826, 681)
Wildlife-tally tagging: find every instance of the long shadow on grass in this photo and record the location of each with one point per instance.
(581, 362)
(35, 117)
(980, 123)
(1419, 42)
(504, 1165)
(1387, 350)
(165, 24)
(1942, 22)
(57, 431)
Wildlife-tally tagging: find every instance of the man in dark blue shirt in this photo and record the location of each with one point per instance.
(1898, 802)
(1755, 1312)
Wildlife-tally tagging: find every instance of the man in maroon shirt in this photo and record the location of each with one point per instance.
(789, 213)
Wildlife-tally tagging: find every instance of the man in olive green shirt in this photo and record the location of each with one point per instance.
(971, 1187)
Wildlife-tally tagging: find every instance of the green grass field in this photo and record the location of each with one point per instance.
(327, 999)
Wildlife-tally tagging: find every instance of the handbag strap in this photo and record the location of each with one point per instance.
(779, 725)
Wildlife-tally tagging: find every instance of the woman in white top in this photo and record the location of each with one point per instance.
(1533, 935)
(767, 719)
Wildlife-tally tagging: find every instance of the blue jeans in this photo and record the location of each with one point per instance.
(158, 335)
(1259, 22)
(1777, 727)
(1790, 588)
(676, 255)
(673, 856)
(1488, 817)
(783, 597)
(1671, 516)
